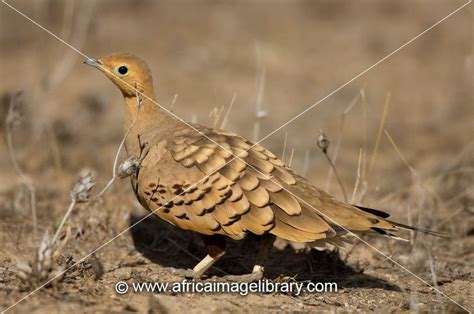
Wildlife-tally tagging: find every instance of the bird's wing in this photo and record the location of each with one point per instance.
(254, 192)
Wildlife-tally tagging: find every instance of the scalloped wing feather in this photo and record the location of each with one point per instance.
(255, 192)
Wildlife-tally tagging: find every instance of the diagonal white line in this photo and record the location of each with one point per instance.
(360, 74)
(99, 248)
(364, 71)
(113, 74)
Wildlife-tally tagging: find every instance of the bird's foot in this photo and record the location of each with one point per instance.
(254, 276)
(186, 273)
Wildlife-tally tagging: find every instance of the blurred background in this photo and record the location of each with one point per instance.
(270, 60)
(274, 56)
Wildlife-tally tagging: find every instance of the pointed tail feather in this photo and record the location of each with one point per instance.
(384, 215)
(427, 231)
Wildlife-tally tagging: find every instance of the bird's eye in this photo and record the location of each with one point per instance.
(122, 70)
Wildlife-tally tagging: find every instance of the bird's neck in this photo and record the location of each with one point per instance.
(145, 121)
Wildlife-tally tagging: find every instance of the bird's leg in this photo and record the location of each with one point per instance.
(266, 245)
(215, 250)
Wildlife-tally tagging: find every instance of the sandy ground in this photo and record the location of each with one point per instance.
(278, 56)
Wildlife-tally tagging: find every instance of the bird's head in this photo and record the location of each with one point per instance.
(127, 72)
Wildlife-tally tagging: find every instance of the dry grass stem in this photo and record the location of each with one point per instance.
(323, 144)
(80, 193)
(65, 217)
(285, 142)
(364, 183)
(78, 36)
(419, 186)
(399, 153)
(173, 102)
(81, 190)
(225, 120)
(290, 161)
(216, 113)
(340, 138)
(359, 176)
(434, 276)
(260, 112)
(12, 120)
(379, 133)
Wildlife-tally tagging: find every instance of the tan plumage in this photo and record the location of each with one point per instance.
(235, 200)
(218, 183)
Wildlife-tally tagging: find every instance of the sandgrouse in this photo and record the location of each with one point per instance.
(220, 184)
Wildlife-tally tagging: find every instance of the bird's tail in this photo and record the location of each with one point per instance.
(385, 215)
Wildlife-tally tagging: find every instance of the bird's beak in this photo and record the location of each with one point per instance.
(93, 62)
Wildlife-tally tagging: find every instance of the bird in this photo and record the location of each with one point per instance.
(222, 185)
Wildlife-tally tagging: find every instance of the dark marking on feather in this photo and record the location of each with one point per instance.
(372, 211)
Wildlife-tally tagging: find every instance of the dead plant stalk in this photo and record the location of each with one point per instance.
(115, 175)
(340, 138)
(13, 118)
(323, 144)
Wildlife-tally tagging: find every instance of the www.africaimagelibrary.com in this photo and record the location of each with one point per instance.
(242, 288)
